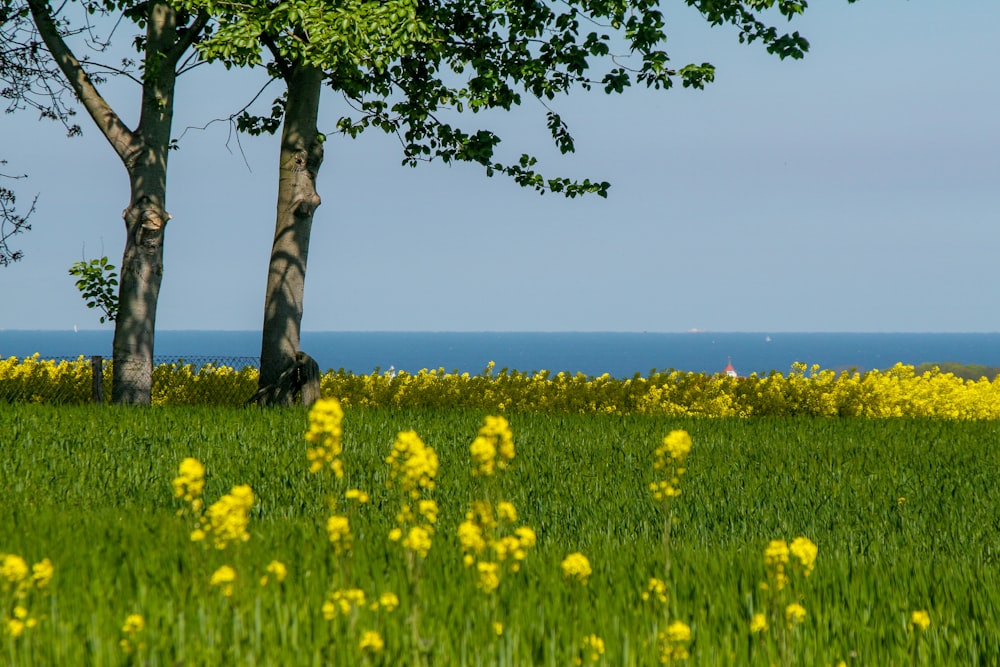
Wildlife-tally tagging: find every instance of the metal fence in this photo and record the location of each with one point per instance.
(190, 380)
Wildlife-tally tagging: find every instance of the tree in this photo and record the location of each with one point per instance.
(29, 83)
(409, 66)
(168, 35)
(11, 222)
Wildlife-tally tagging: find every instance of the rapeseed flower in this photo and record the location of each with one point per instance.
(418, 540)
(920, 620)
(357, 495)
(805, 551)
(134, 623)
(414, 464)
(338, 528)
(673, 642)
(15, 627)
(372, 642)
(388, 601)
(593, 649)
(656, 590)
(669, 457)
(342, 602)
(190, 483)
(324, 434)
(576, 567)
(13, 570)
(493, 448)
(470, 536)
(41, 573)
(226, 519)
(224, 578)
(758, 623)
(276, 569)
(795, 614)
(776, 556)
(428, 510)
(488, 576)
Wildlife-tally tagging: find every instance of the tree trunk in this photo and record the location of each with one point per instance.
(144, 155)
(301, 157)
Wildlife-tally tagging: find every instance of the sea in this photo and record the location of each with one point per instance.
(618, 354)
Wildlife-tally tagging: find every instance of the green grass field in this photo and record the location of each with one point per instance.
(904, 513)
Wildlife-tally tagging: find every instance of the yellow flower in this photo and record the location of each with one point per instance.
(191, 481)
(489, 576)
(226, 520)
(343, 601)
(388, 601)
(493, 448)
(678, 631)
(675, 448)
(920, 619)
(325, 432)
(673, 642)
(758, 623)
(276, 568)
(15, 627)
(338, 528)
(795, 614)
(414, 464)
(134, 623)
(805, 551)
(470, 536)
(776, 552)
(357, 495)
(13, 568)
(576, 566)
(371, 641)
(775, 558)
(593, 647)
(428, 509)
(418, 540)
(526, 536)
(224, 578)
(506, 511)
(498, 628)
(656, 590)
(41, 573)
(484, 454)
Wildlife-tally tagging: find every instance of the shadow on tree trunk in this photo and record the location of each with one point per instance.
(299, 380)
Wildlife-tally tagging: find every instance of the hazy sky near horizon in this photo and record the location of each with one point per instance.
(855, 190)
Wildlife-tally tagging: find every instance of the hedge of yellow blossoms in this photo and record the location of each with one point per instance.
(804, 390)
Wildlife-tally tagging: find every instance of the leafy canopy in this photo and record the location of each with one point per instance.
(408, 67)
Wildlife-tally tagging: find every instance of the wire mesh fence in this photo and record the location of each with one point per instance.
(192, 380)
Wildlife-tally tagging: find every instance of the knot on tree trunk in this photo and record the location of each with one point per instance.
(299, 380)
(145, 221)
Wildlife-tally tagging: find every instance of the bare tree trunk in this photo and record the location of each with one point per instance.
(301, 157)
(143, 152)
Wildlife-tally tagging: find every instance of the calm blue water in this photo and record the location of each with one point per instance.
(619, 354)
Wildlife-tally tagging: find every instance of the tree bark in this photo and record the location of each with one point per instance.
(301, 157)
(144, 153)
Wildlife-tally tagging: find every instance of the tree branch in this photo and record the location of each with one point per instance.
(108, 122)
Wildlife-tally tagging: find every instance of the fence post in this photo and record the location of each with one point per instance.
(97, 374)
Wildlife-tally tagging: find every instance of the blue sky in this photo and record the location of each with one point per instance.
(855, 190)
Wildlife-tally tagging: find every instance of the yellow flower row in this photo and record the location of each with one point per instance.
(896, 392)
